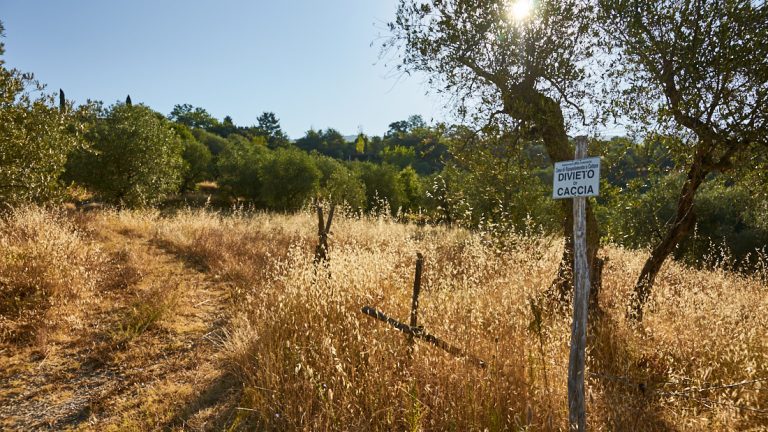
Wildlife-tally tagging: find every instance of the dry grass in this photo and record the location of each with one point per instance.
(49, 275)
(308, 359)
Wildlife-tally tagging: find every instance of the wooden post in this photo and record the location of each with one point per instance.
(323, 229)
(576, 409)
(420, 333)
(415, 299)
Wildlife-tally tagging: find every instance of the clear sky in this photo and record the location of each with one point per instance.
(310, 62)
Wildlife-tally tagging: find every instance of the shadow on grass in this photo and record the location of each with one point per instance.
(625, 381)
(214, 408)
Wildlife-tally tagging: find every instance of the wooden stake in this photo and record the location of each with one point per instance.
(576, 409)
(415, 299)
(323, 229)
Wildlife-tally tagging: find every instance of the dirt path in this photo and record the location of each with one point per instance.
(149, 359)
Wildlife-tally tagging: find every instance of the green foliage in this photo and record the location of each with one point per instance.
(215, 143)
(635, 216)
(192, 117)
(225, 128)
(345, 186)
(135, 157)
(329, 142)
(239, 166)
(338, 183)
(399, 156)
(269, 127)
(35, 138)
(289, 179)
(638, 216)
(490, 182)
(726, 216)
(360, 144)
(444, 199)
(197, 158)
(412, 142)
(381, 184)
(413, 190)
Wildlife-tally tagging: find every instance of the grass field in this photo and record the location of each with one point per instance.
(198, 321)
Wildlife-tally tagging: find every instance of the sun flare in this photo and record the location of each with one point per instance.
(519, 10)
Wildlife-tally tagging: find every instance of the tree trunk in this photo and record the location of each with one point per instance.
(681, 226)
(562, 286)
(546, 116)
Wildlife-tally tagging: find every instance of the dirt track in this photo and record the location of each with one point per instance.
(165, 377)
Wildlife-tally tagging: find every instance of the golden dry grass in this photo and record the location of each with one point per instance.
(306, 358)
(49, 274)
(310, 360)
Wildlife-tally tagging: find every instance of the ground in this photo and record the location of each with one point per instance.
(114, 375)
(202, 320)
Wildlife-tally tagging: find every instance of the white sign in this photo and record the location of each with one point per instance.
(576, 178)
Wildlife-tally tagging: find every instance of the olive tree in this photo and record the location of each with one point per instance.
(289, 179)
(196, 156)
(240, 164)
(135, 158)
(36, 134)
(699, 69)
(529, 72)
(338, 183)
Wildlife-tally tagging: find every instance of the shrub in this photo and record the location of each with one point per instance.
(289, 179)
(35, 138)
(239, 166)
(135, 158)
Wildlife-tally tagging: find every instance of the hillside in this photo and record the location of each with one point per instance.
(136, 320)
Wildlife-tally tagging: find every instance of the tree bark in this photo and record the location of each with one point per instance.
(546, 116)
(682, 224)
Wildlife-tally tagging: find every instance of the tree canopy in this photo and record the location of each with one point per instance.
(697, 68)
(528, 74)
(134, 158)
(36, 136)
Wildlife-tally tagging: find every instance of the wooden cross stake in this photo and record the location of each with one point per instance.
(415, 331)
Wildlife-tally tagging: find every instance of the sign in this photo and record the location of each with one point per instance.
(576, 178)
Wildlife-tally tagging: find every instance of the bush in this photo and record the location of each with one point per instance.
(197, 159)
(135, 158)
(239, 166)
(637, 217)
(35, 138)
(381, 184)
(413, 191)
(289, 178)
(338, 183)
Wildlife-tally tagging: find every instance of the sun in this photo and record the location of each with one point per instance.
(519, 10)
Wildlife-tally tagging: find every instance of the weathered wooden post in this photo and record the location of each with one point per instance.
(578, 179)
(415, 299)
(323, 229)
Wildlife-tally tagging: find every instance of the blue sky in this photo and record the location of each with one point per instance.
(310, 62)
